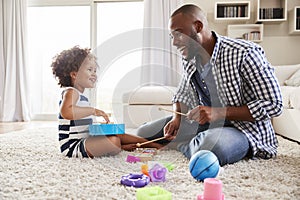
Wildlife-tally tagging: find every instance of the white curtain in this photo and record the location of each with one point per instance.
(14, 103)
(160, 61)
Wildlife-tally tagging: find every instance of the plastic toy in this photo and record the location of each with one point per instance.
(106, 129)
(158, 173)
(152, 151)
(170, 166)
(135, 180)
(144, 169)
(144, 157)
(204, 164)
(212, 190)
(132, 159)
(153, 193)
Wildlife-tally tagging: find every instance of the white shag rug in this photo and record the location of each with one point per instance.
(31, 167)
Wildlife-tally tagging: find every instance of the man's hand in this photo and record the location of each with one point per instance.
(205, 114)
(171, 129)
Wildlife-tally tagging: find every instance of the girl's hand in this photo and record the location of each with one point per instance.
(101, 113)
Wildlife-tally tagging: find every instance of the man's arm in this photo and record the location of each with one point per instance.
(179, 107)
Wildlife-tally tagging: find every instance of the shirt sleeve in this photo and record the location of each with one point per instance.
(259, 74)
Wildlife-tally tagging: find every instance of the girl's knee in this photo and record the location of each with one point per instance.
(116, 141)
(116, 145)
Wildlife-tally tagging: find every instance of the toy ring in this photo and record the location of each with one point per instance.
(135, 180)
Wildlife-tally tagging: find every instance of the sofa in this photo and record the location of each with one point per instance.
(288, 123)
(142, 104)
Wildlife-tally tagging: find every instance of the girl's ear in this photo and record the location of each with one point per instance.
(198, 26)
(73, 74)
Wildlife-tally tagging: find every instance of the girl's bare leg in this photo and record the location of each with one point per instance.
(128, 142)
(97, 146)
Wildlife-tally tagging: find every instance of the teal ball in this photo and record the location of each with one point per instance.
(204, 164)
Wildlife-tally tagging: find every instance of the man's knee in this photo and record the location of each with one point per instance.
(142, 130)
(229, 146)
(150, 129)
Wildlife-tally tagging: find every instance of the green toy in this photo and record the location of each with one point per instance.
(153, 193)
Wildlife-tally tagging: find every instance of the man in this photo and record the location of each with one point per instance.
(228, 90)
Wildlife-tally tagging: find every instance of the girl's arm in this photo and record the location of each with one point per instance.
(69, 110)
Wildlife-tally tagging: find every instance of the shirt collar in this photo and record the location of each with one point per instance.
(216, 48)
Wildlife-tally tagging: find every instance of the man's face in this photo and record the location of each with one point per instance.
(184, 35)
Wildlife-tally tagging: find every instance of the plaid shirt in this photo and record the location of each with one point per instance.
(243, 77)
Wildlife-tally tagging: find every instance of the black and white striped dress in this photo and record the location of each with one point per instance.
(73, 133)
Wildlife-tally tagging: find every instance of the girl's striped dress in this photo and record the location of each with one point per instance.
(73, 133)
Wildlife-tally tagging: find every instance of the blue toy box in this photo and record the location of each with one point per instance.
(106, 129)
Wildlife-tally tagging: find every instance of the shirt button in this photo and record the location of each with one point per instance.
(204, 87)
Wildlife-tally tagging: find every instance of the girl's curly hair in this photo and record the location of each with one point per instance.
(66, 62)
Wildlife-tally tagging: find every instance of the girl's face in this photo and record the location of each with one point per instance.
(86, 76)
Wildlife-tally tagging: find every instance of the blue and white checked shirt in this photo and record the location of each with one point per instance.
(243, 76)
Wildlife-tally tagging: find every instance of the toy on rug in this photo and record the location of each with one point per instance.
(135, 180)
(204, 164)
(132, 159)
(106, 129)
(212, 190)
(144, 169)
(170, 166)
(157, 173)
(142, 155)
(153, 193)
(152, 151)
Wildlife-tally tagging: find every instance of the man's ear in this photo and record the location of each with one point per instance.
(198, 26)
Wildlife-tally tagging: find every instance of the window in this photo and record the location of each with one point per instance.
(115, 19)
(55, 27)
(51, 30)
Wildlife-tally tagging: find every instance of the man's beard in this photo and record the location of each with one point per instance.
(193, 47)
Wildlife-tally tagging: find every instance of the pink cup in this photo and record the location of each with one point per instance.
(212, 190)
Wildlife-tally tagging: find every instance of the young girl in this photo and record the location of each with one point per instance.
(76, 70)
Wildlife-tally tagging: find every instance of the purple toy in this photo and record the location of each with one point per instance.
(132, 159)
(158, 173)
(135, 180)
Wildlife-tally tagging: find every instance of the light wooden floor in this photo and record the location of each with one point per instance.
(6, 127)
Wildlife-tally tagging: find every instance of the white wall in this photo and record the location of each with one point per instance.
(280, 47)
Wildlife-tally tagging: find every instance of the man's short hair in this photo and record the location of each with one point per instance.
(186, 9)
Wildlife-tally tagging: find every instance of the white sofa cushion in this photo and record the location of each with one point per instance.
(150, 95)
(295, 98)
(287, 124)
(294, 80)
(284, 72)
(286, 95)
